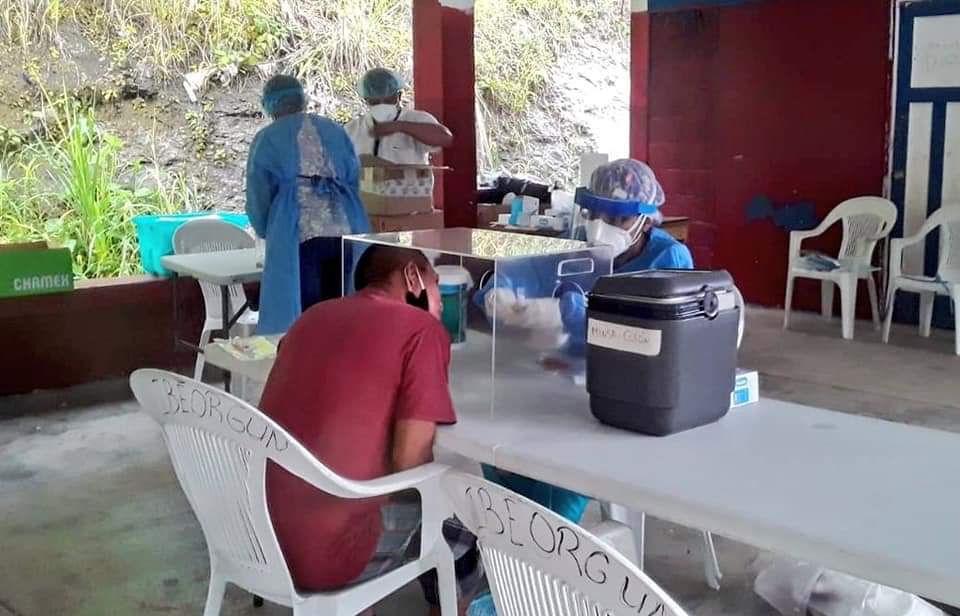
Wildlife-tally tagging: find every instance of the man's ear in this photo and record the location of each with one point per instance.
(408, 275)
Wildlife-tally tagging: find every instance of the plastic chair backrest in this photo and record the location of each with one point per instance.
(865, 219)
(539, 563)
(211, 235)
(948, 219)
(219, 447)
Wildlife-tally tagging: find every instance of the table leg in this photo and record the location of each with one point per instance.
(225, 314)
(226, 321)
(711, 565)
(637, 522)
(236, 317)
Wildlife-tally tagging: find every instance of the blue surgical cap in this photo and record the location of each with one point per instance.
(380, 83)
(283, 95)
(624, 187)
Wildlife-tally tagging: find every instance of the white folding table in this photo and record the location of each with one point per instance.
(222, 268)
(875, 499)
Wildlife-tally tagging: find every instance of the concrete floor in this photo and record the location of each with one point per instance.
(93, 521)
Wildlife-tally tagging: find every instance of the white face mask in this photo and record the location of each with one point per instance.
(600, 232)
(384, 113)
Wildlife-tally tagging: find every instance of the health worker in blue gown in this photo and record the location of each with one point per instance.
(620, 209)
(302, 197)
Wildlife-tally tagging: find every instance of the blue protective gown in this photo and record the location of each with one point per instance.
(540, 278)
(274, 168)
(661, 251)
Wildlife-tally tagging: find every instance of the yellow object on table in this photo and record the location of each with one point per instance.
(254, 348)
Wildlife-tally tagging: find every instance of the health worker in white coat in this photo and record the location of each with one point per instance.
(391, 132)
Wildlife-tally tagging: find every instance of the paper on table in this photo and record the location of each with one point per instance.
(253, 348)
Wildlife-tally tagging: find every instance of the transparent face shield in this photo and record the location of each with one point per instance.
(604, 221)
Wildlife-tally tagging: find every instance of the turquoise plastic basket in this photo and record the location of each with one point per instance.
(155, 235)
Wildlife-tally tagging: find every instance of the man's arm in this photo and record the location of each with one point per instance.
(423, 400)
(433, 135)
(412, 443)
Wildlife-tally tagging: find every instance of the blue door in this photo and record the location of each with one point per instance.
(926, 141)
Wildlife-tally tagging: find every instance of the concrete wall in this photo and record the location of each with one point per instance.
(784, 98)
(102, 330)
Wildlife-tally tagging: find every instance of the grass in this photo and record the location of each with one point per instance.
(330, 43)
(76, 192)
(28, 21)
(76, 189)
(518, 42)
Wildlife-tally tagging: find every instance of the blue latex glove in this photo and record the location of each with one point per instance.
(573, 313)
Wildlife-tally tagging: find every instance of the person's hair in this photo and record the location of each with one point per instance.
(379, 262)
(283, 95)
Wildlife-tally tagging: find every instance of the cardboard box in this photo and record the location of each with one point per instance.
(395, 190)
(487, 214)
(407, 222)
(381, 205)
(746, 389)
(34, 269)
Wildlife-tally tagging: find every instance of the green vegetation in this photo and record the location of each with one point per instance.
(328, 42)
(518, 41)
(74, 191)
(69, 182)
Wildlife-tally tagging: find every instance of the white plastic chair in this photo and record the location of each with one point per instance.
(634, 546)
(947, 280)
(539, 563)
(219, 447)
(210, 235)
(866, 220)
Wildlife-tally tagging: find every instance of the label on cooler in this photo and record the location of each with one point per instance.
(624, 337)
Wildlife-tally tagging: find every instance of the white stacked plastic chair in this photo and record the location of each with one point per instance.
(947, 280)
(211, 235)
(219, 447)
(866, 220)
(539, 563)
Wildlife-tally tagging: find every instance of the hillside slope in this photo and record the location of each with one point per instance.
(568, 94)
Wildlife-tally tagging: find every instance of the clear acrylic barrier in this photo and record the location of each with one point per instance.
(513, 304)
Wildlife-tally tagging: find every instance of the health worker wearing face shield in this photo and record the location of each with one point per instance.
(621, 209)
(391, 132)
(303, 183)
(618, 209)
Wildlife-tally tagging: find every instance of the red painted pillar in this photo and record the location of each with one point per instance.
(639, 81)
(444, 78)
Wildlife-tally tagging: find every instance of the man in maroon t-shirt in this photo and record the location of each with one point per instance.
(362, 383)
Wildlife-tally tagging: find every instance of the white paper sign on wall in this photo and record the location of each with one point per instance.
(936, 52)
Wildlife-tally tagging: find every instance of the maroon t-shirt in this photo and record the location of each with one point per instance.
(345, 373)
